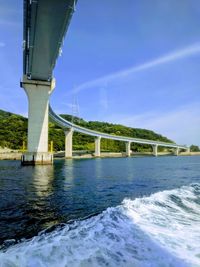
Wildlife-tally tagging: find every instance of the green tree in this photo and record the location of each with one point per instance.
(194, 148)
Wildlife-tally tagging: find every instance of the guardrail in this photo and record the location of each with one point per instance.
(65, 124)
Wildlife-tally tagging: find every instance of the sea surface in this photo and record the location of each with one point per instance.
(101, 212)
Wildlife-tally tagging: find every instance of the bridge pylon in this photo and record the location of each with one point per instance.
(176, 151)
(68, 143)
(128, 149)
(38, 93)
(155, 150)
(97, 152)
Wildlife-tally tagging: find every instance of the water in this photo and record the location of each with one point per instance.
(101, 212)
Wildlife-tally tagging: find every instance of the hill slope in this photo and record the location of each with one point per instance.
(13, 131)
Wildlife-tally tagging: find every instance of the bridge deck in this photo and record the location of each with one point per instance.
(66, 124)
(45, 25)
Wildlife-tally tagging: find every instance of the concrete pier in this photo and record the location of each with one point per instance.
(155, 150)
(97, 147)
(38, 93)
(176, 151)
(128, 149)
(68, 143)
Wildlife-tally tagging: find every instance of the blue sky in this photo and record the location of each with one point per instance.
(133, 62)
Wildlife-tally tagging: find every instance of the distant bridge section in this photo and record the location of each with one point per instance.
(70, 127)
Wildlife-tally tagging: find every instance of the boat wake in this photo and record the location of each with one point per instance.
(160, 230)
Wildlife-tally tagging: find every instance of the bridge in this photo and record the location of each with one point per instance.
(43, 36)
(70, 127)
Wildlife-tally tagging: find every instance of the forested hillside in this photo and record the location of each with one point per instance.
(13, 131)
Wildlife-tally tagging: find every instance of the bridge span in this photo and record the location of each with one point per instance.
(45, 25)
(70, 127)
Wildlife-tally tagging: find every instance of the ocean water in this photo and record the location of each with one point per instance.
(101, 212)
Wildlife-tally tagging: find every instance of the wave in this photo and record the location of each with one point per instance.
(160, 230)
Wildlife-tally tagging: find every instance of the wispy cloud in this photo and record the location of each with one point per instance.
(103, 99)
(182, 125)
(170, 57)
(10, 23)
(2, 44)
(9, 13)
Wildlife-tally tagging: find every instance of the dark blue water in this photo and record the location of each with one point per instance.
(33, 199)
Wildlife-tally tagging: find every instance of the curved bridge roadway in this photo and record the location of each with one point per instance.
(65, 124)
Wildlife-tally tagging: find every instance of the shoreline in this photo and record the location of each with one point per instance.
(16, 155)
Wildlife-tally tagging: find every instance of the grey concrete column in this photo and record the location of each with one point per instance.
(176, 151)
(188, 150)
(128, 149)
(68, 143)
(97, 146)
(38, 93)
(155, 150)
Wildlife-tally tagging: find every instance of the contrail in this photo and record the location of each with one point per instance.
(173, 56)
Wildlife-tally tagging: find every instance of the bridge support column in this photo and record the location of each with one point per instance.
(128, 149)
(38, 93)
(68, 143)
(97, 147)
(155, 150)
(176, 151)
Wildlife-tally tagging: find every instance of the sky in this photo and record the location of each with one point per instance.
(132, 62)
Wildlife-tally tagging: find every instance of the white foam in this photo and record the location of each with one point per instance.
(160, 230)
(172, 218)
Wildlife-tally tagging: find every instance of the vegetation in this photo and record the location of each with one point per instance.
(13, 131)
(194, 148)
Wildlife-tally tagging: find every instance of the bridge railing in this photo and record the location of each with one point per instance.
(63, 123)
